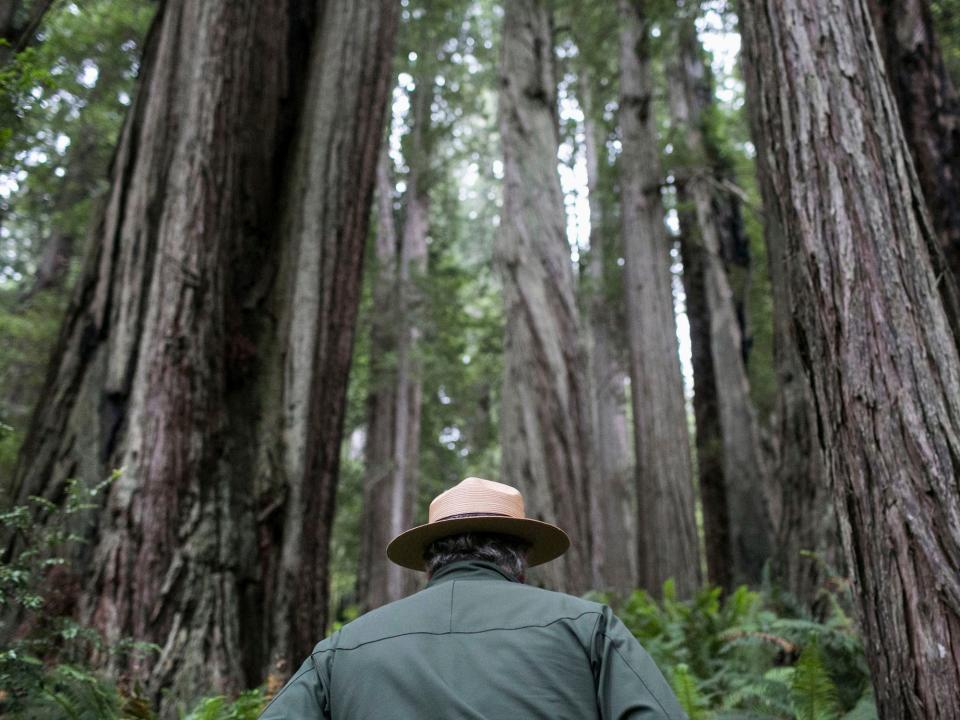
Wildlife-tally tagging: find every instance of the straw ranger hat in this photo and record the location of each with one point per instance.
(477, 505)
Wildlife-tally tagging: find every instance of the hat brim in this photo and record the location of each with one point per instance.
(547, 542)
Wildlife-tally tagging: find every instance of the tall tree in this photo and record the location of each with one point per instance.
(929, 110)
(393, 440)
(324, 228)
(207, 345)
(732, 472)
(614, 520)
(545, 418)
(872, 333)
(807, 545)
(377, 581)
(668, 545)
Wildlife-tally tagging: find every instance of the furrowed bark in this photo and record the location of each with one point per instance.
(807, 548)
(190, 327)
(329, 193)
(668, 544)
(872, 333)
(733, 474)
(152, 346)
(545, 419)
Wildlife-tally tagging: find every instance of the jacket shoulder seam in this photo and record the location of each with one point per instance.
(459, 632)
(639, 676)
(303, 671)
(453, 588)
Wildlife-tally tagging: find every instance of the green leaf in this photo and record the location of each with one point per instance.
(812, 691)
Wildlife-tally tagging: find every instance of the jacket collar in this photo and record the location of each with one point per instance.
(470, 570)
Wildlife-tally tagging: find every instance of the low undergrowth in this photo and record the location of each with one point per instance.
(738, 657)
(726, 657)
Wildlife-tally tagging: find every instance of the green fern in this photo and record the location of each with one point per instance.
(687, 692)
(767, 696)
(247, 706)
(813, 693)
(67, 692)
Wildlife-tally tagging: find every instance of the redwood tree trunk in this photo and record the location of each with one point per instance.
(170, 355)
(807, 548)
(545, 419)
(393, 443)
(329, 192)
(872, 333)
(733, 474)
(929, 110)
(668, 545)
(614, 521)
(379, 471)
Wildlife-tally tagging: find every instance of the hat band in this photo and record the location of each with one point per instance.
(473, 514)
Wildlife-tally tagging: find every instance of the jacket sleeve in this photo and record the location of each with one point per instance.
(629, 684)
(305, 696)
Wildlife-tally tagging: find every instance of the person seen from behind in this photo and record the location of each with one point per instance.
(477, 643)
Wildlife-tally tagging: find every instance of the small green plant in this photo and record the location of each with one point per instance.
(813, 693)
(685, 687)
(41, 671)
(735, 656)
(247, 706)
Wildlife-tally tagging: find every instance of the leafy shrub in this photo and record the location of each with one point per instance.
(247, 706)
(41, 670)
(736, 657)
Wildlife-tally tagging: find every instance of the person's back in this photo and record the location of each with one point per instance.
(477, 644)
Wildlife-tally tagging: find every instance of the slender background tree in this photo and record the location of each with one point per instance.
(668, 543)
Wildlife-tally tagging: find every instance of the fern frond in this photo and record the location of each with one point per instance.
(687, 692)
(812, 691)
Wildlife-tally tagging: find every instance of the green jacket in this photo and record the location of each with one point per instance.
(475, 644)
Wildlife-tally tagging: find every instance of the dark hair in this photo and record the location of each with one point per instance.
(507, 552)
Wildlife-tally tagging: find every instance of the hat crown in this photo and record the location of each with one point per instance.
(476, 496)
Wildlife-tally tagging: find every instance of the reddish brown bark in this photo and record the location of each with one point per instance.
(184, 336)
(545, 420)
(872, 333)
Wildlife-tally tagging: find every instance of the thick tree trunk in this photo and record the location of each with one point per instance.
(929, 110)
(329, 193)
(807, 547)
(141, 378)
(872, 333)
(733, 475)
(169, 356)
(545, 418)
(668, 544)
(614, 521)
